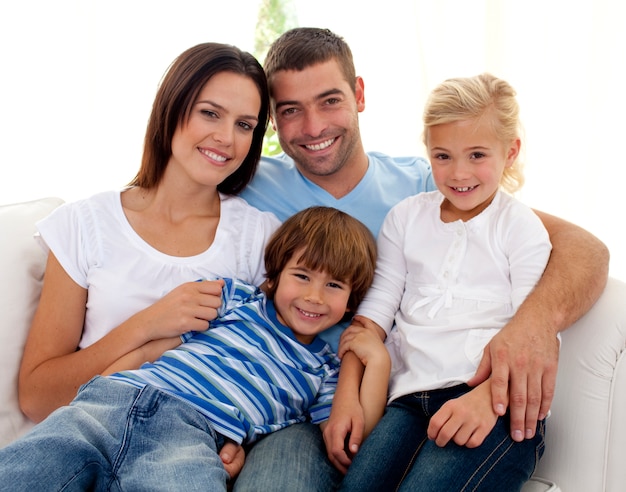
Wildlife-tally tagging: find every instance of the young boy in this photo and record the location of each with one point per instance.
(258, 368)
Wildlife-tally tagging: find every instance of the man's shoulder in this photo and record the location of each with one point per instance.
(412, 161)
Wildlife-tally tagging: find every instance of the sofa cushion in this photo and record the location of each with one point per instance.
(22, 263)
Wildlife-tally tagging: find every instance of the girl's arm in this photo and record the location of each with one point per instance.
(361, 394)
(52, 368)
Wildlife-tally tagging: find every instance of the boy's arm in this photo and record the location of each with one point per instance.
(523, 357)
(466, 420)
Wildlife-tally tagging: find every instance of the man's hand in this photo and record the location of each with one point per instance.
(523, 366)
(233, 458)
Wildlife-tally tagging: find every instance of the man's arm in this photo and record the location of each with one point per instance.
(523, 357)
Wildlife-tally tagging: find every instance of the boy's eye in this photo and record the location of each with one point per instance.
(335, 285)
(301, 276)
(441, 157)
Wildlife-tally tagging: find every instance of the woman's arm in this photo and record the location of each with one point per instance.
(148, 352)
(522, 359)
(52, 368)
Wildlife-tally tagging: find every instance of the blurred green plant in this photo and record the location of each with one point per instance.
(275, 17)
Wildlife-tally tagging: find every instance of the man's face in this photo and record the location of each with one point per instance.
(315, 113)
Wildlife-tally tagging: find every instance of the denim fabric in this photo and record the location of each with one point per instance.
(399, 456)
(119, 438)
(290, 460)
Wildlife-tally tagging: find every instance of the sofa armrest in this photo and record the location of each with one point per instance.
(586, 433)
(22, 263)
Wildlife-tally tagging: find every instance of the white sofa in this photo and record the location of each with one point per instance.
(586, 434)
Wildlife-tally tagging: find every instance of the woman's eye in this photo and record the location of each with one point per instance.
(209, 113)
(246, 126)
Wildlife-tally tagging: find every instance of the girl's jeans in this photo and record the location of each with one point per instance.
(398, 455)
(116, 437)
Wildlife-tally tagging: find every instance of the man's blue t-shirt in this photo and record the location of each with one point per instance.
(279, 187)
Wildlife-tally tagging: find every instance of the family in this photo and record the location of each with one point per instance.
(330, 319)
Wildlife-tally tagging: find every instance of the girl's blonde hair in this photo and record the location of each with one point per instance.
(482, 96)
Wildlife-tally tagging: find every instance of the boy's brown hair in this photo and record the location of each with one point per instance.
(328, 240)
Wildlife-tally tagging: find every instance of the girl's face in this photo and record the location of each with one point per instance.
(309, 301)
(468, 160)
(215, 140)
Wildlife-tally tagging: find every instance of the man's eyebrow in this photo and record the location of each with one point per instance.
(323, 95)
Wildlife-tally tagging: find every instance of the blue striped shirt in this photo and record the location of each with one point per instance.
(247, 373)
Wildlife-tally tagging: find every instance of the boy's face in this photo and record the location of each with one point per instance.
(309, 301)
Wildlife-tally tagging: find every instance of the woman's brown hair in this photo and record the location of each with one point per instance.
(175, 97)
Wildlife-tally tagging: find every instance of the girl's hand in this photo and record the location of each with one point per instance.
(363, 337)
(466, 420)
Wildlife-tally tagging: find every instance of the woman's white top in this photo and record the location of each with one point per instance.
(96, 245)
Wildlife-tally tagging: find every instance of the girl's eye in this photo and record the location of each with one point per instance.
(477, 155)
(441, 157)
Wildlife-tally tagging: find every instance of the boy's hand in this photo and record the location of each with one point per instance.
(233, 458)
(466, 420)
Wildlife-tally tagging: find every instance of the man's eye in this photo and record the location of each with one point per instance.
(288, 111)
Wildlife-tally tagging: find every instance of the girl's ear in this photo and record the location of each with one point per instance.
(513, 152)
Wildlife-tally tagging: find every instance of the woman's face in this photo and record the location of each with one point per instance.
(215, 140)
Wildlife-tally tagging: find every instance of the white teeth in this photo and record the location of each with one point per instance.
(310, 315)
(464, 188)
(320, 146)
(213, 155)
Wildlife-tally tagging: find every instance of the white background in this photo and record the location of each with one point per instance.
(78, 78)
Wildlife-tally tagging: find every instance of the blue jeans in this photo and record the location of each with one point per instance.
(292, 459)
(116, 437)
(398, 455)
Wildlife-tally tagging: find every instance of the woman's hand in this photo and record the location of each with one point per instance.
(188, 307)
